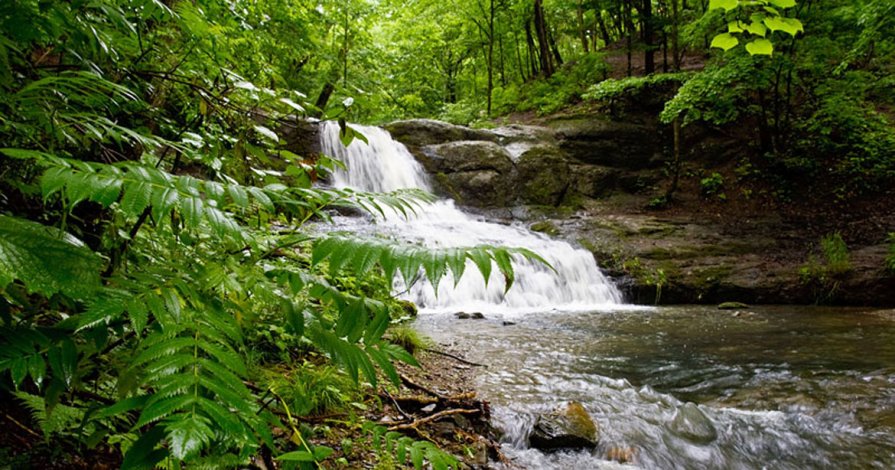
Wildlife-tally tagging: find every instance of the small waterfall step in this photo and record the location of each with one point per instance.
(383, 164)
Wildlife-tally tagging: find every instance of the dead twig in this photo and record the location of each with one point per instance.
(434, 417)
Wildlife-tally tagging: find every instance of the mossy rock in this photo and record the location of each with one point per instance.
(408, 308)
(568, 428)
(546, 227)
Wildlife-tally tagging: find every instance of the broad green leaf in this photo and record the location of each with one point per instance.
(297, 456)
(783, 3)
(735, 27)
(727, 5)
(143, 454)
(725, 41)
(757, 28)
(789, 26)
(760, 47)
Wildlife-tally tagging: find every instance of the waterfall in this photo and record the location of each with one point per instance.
(384, 164)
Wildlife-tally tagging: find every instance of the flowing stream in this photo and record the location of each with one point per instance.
(671, 387)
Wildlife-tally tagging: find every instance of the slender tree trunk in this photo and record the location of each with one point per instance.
(603, 30)
(676, 165)
(629, 26)
(649, 53)
(557, 59)
(345, 51)
(582, 28)
(490, 53)
(675, 34)
(543, 44)
(519, 61)
(532, 52)
(500, 55)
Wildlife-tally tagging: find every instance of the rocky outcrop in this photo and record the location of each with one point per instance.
(422, 132)
(566, 428)
(543, 175)
(608, 143)
(475, 173)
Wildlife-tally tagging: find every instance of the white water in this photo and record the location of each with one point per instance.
(386, 165)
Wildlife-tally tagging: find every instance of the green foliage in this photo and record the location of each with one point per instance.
(715, 96)
(755, 19)
(825, 275)
(404, 448)
(713, 186)
(408, 338)
(626, 88)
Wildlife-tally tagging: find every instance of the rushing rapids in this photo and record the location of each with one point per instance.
(383, 164)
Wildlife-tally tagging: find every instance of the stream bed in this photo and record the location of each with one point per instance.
(773, 387)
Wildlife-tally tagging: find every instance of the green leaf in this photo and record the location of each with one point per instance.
(757, 28)
(188, 433)
(143, 455)
(735, 27)
(727, 5)
(783, 3)
(64, 361)
(789, 26)
(725, 41)
(760, 47)
(297, 456)
(45, 259)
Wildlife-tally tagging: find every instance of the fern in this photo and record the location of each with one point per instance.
(402, 447)
(58, 419)
(46, 260)
(360, 256)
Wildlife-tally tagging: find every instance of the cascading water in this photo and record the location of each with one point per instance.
(383, 165)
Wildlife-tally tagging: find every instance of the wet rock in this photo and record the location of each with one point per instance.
(546, 227)
(692, 424)
(543, 176)
(421, 132)
(731, 305)
(508, 323)
(594, 181)
(567, 428)
(408, 308)
(474, 173)
(470, 316)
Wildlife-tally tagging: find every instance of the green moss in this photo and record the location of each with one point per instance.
(546, 227)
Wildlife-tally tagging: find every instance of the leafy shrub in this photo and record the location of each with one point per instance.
(713, 186)
(408, 338)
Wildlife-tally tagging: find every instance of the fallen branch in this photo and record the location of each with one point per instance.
(430, 418)
(457, 358)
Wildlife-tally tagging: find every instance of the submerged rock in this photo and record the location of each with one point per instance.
(732, 306)
(692, 424)
(472, 316)
(567, 428)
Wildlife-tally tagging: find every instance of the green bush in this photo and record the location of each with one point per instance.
(713, 186)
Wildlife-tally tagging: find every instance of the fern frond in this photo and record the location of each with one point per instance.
(360, 255)
(45, 259)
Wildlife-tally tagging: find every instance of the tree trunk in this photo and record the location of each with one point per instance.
(532, 52)
(603, 30)
(649, 53)
(557, 59)
(582, 28)
(543, 44)
(323, 98)
(629, 26)
(490, 54)
(675, 34)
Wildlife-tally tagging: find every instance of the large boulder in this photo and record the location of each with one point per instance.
(610, 143)
(475, 173)
(543, 175)
(422, 132)
(594, 181)
(566, 428)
